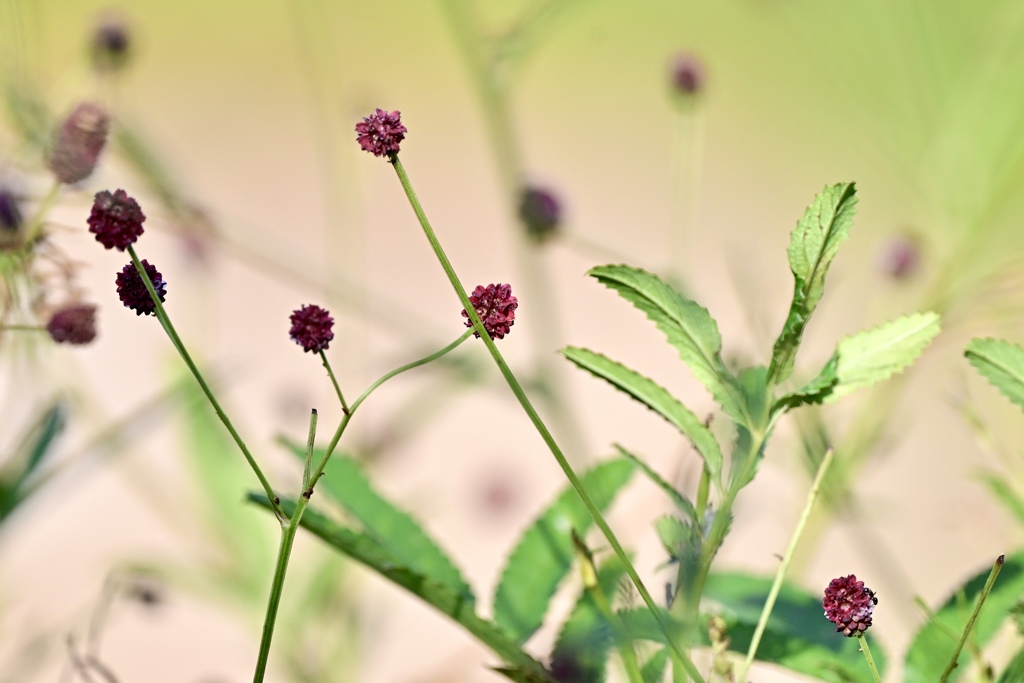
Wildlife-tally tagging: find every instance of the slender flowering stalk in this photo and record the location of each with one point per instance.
(542, 429)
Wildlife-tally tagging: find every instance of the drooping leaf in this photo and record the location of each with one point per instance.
(394, 529)
(655, 397)
(452, 603)
(812, 247)
(797, 637)
(653, 670)
(688, 326)
(935, 642)
(682, 503)
(544, 554)
(581, 651)
(870, 357)
(1002, 364)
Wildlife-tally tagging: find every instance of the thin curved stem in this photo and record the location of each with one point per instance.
(334, 381)
(871, 660)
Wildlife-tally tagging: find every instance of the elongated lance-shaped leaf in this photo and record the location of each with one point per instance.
(454, 604)
(581, 650)
(394, 529)
(1002, 364)
(875, 355)
(935, 642)
(682, 503)
(544, 554)
(688, 326)
(655, 397)
(36, 446)
(812, 246)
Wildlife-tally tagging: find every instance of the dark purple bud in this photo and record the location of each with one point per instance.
(10, 212)
(496, 307)
(111, 44)
(380, 133)
(116, 219)
(849, 604)
(73, 324)
(540, 211)
(687, 75)
(132, 290)
(78, 141)
(311, 328)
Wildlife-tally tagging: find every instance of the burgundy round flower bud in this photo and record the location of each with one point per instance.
(848, 604)
(687, 75)
(496, 307)
(132, 290)
(380, 133)
(311, 328)
(111, 44)
(540, 211)
(116, 219)
(73, 324)
(10, 212)
(78, 141)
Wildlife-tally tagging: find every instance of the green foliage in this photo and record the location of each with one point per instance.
(935, 642)
(1002, 364)
(393, 529)
(797, 637)
(653, 670)
(544, 554)
(682, 503)
(1014, 671)
(366, 550)
(36, 445)
(813, 244)
(655, 397)
(581, 650)
(688, 326)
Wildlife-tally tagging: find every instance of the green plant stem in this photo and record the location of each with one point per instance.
(542, 429)
(871, 660)
(284, 553)
(996, 568)
(165, 322)
(35, 224)
(780, 574)
(334, 381)
(22, 328)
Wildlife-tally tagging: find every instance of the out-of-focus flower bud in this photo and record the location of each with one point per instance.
(78, 141)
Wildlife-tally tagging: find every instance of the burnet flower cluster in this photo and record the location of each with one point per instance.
(848, 604)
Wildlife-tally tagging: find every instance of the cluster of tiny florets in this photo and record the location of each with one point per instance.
(381, 133)
(73, 324)
(116, 219)
(848, 604)
(311, 328)
(132, 290)
(496, 307)
(78, 141)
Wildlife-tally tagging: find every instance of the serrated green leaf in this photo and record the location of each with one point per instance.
(797, 637)
(1002, 364)
(812, 247)
(815, 391)
(452, 603)
(655, 397)
(544, 554)
(653, 670)
(875, 355)
(394, 529)
(688, 326)
(582, 647)
(935, 642)
(682, 503)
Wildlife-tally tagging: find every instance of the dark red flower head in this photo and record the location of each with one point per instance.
(116, 219)
(311, 328)
(78, 141)
(73, 324)
(496, 307)
(848, 604)
(132, 290)
(111, 44)
(687, 74)
(540, 211)
(380, 133)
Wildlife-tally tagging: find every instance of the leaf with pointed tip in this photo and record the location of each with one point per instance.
(655, 397)
(812, 247)
(934, 643)
(653, 670)
(682, 503)
(365, 549)
(395, 530)
(688, 326)
(544, 553)
(875, 355)
(581, 650)
(1002, 364)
